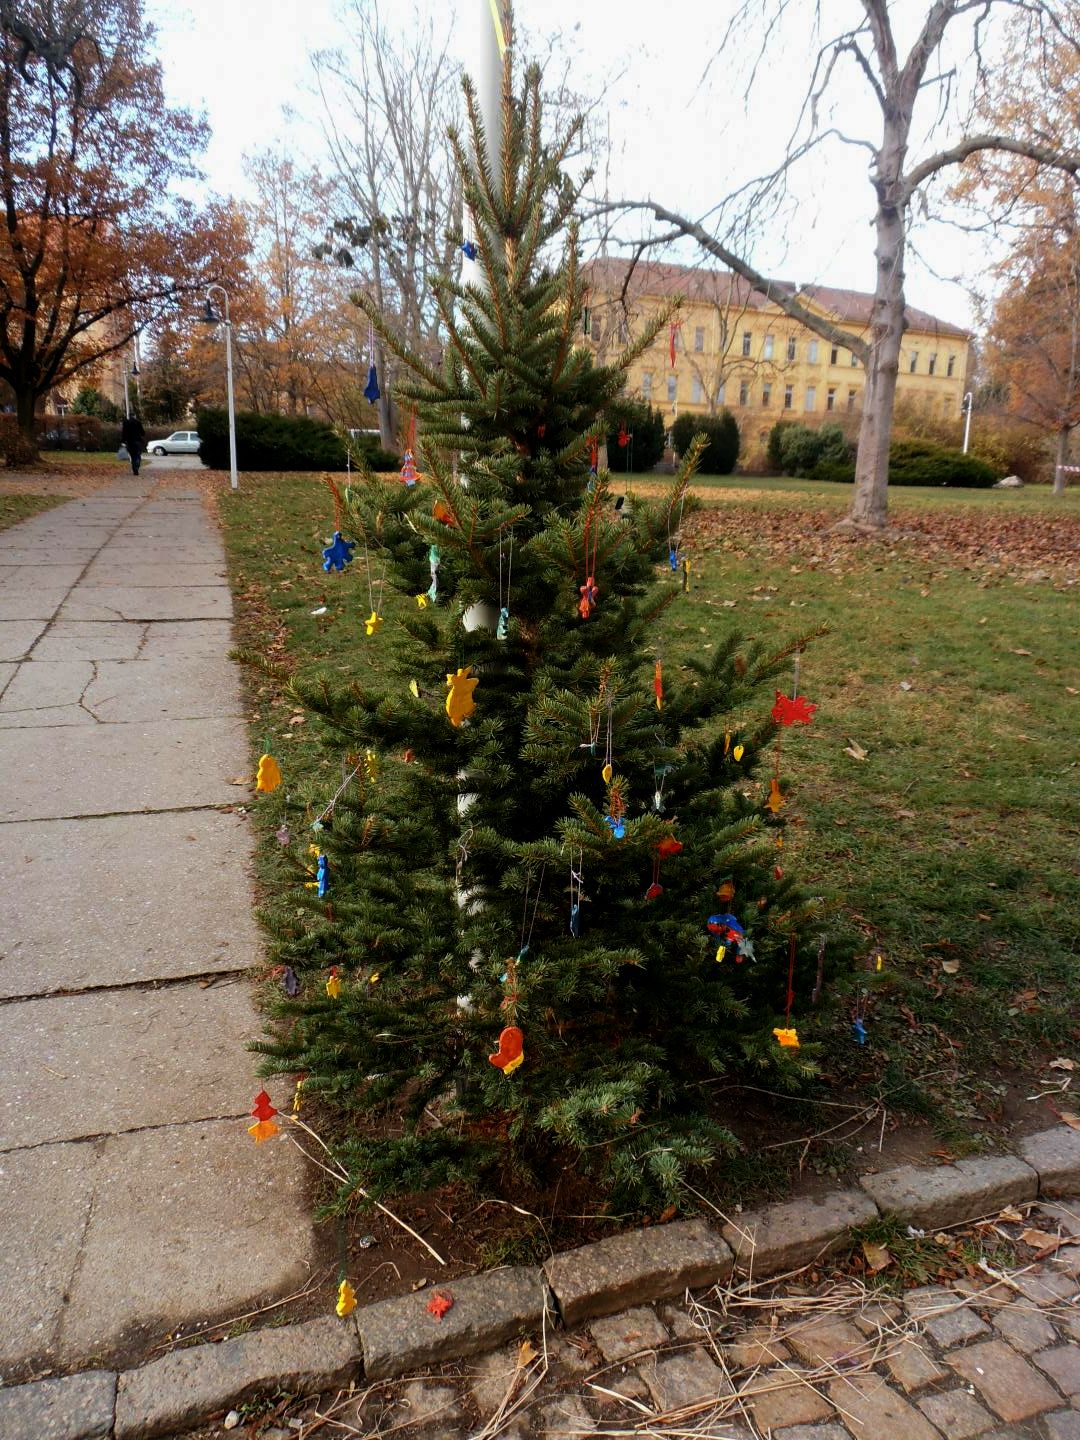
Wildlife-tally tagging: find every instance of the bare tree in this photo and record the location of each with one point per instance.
(902, 87)
(387, 102)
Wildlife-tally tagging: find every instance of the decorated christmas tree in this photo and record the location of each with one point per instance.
(548, 902)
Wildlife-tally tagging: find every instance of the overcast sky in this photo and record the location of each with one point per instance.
(675, 136)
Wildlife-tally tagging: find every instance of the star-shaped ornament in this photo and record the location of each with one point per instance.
(373, 623)
(792, 710)
(338, 553)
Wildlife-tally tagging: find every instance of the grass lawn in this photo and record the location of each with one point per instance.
(952, 663)
(14, 508)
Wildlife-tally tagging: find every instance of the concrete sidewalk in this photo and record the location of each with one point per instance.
(131, 1200)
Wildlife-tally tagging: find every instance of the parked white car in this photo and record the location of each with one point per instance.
(180, 442)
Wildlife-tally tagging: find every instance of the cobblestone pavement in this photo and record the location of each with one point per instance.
(996, 1358)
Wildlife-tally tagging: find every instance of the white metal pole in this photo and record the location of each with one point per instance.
(492, 19)
(233, 480)
(968, 398)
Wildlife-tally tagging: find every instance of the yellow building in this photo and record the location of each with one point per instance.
(735, 350)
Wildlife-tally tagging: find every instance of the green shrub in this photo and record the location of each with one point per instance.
(920, 462)
(270, 442)
(722, 452)
(776, 438)
(647, 427)
(806, 452)
(369, 450)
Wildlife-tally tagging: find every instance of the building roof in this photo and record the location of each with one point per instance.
(721, 287)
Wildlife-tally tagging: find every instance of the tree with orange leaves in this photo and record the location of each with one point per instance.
(92, 245)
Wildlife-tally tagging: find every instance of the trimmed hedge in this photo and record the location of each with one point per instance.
(56, 432)
(269, 442)
(826, 454)
(722, 452)
(646, 425)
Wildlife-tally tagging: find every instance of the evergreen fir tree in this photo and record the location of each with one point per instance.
(491, 875)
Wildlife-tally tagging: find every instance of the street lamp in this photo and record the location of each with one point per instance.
(966, 405)
(210, 317)
(129, 374)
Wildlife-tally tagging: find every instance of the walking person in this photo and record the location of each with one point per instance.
(133, 436)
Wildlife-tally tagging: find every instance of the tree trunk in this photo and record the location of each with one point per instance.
(24, 448)
(386, 410)
(869, 507)
(1061, 459)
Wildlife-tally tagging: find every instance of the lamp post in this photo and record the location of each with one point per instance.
(129, 374)
(966, 405)
(210, 317)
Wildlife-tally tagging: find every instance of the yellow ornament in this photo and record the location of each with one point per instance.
(373, 623)
(298, 1098)
(721, 952)
(512, 1065)
(607, 772)
(738, 752)
(371, 765)
(374, 978)
(333, 986)
(262, 1130)
(268, 777)
(422, 601)
(414, 689)
(459, 699)
(776, 801)
(788, 1039)
(346, 1299)
(727, 742)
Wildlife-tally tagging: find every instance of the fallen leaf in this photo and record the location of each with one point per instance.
(1019, 652)
(854, 749)
(526, 1354)
(950, 967)
(1042, 1239)
(906, 815)
(1070, 1119)
(877, 1257)
(298, 720)
(240, 780)
(1062, 1064)
(1011, 1215)
(668, 1214)
(905, 685)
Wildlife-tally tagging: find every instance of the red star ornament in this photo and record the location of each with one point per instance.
(792, 710)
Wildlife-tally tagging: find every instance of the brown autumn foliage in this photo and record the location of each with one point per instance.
(93, 246)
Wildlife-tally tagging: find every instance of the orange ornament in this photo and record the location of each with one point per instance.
(511, 1051)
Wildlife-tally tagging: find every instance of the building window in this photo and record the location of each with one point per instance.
(767, 348)
(830, 398)
(789, 397)
(834, 355)
(951, 366)
(852, 396)
(720, 392)
(913, 362)
(594, 326)
(766, 395)
(746, 338)
(699, 338)
(932, 366)
(744, 392)
(695, 392)
(646, 385)
(791, 347)
(811, 397)
(812, 352)
(672, 388)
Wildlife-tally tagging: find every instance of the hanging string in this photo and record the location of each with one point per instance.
(502, 627)
(577, 888)
(339, 508)
(346, 782)
(792, 943)
(527, 938)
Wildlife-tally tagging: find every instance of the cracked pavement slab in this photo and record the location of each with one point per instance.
(156, 897)
(120, 602)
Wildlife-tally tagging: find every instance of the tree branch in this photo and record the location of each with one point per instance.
(1067, 161)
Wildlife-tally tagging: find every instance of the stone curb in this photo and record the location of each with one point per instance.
(395, 1336)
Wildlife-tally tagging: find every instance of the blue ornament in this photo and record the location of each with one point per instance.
(371, 389)
(322, 876)
(469, 250)
(337, 554)
(504, 621)
(618, 827)
(575, 920)
(673, 559)
(859, 1030)
(724, 925)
